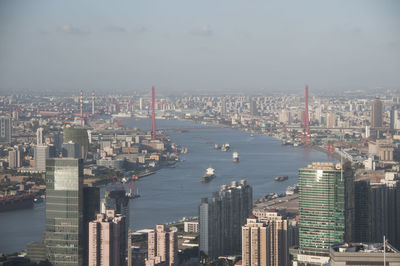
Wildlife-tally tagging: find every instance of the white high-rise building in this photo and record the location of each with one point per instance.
(39, 136)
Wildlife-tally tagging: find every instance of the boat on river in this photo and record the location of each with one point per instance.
(235, 157)
(281, 178)
(208, 175)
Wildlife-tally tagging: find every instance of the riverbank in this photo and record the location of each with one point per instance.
(172, 193)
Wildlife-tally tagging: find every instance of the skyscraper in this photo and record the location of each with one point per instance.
(107, 240)
(254, 243)
(162, 247)
(377, 207)
(221, 219)
(41, 153)
(64, 211)
(264, 240)
(331, 120)
(5, 129)
(71, 150)
(91, 207)
(322, 208)
(14, 158)
(376, 113)
(39, 136)
(77, 135)
(253, 107)
(118, 201)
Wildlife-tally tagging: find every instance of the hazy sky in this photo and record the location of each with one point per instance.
(199, 45)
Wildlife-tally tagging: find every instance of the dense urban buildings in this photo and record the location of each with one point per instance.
(341, 126)
(221, 217)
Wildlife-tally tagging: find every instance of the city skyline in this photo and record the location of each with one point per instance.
(180, 46)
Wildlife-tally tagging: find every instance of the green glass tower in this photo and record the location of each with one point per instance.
(322, 208)
(64, 211)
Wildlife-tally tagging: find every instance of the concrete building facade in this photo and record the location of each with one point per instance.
(162, 247)
(5, 129)
(265, 241)
(377, 114)
(107, 240)
(221, 218)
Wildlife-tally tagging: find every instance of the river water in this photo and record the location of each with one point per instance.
(173, 193)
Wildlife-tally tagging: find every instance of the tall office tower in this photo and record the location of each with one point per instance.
(331, 120)
(91, 207)
(377, 209)
(221, 218)
(5, 129)
(223, 107)
(12, 158)
(264, 241)
(93, 98)
(77, 135)
(285, 117)
(58, 141)
(162, 247)
(41, 153)
(71, 150)
(107, 240)
(64, 202)
(392, 116)
(39, 136)
(376, 113)
(325, 208)
(141, 105)
(253, 107)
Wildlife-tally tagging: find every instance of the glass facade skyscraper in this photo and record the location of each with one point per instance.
(64, 211)
(321, 208)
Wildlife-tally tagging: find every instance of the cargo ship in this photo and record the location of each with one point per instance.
(209, 174)
(281, 178)
(235, 157)
(15, 202)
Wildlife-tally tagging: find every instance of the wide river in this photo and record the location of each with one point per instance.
(173, 193)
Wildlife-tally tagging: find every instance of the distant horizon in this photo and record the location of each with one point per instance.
(174, 93)
(199, 46)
